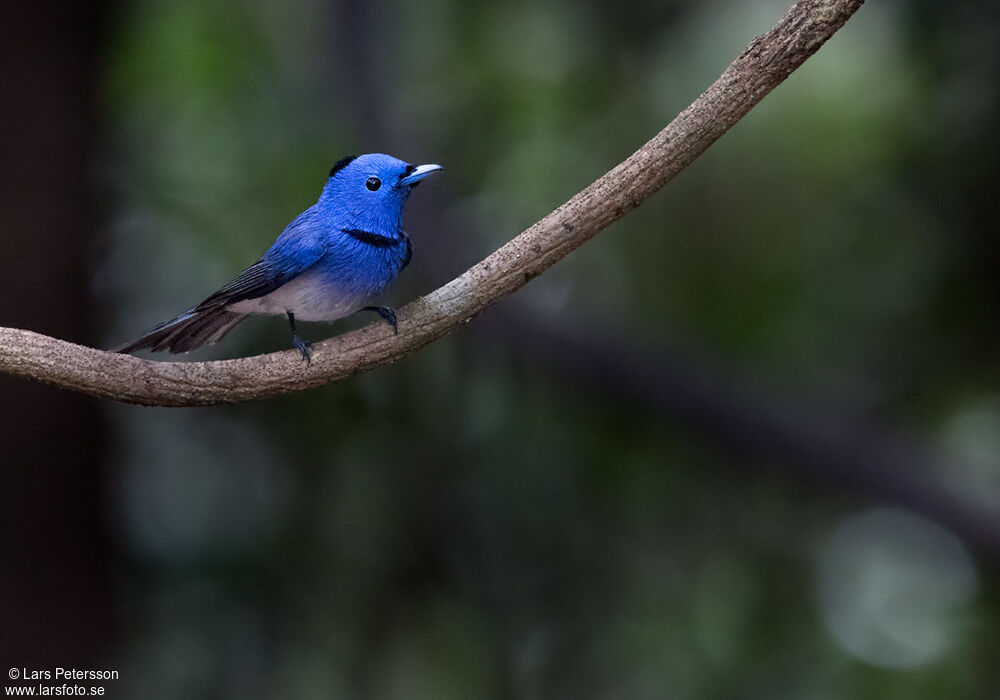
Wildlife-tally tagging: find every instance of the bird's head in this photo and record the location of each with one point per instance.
(368, 192)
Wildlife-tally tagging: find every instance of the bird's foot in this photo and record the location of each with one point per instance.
(387, 313)
(302, 346)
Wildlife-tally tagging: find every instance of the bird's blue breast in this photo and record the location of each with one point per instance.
(362, 263)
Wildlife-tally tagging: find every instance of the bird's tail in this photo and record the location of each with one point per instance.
(190, 330)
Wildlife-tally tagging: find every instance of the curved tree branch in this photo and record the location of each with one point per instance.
(764, 64)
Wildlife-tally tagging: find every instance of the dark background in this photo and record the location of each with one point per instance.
(746, 443)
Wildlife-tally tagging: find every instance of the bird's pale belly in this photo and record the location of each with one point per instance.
(306, 299)
(312, 297)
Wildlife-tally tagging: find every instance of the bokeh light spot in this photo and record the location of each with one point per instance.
(889, 585)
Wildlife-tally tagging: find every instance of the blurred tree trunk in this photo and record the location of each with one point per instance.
(55, 599)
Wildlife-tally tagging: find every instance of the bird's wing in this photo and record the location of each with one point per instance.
(297, 248)
(257, 280)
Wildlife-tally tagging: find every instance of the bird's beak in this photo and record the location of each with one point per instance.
(419, 173)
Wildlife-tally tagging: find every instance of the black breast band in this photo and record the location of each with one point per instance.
(375, 239)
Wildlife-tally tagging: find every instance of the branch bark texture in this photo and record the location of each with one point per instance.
(765, 63)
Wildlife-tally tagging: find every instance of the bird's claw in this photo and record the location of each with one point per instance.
(302, 346)
(388, 314)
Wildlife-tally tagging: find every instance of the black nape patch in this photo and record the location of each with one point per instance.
(341, 164)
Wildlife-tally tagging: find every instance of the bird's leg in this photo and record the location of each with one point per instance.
(302, 345)
(387, 313)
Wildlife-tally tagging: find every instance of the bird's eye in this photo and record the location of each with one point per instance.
(373, 183)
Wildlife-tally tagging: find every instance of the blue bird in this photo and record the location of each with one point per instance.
(326, 264)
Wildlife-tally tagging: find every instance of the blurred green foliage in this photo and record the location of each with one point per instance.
(473, 522)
